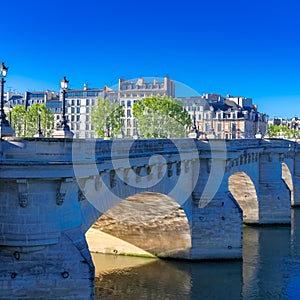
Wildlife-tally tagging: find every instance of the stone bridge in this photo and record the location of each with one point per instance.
(53, 190)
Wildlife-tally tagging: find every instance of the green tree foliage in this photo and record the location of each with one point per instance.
(106, 117)
(161, 117)
(280, 131)
(25, 122)
(18, 120)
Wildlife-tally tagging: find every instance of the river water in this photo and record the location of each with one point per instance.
(270, 270)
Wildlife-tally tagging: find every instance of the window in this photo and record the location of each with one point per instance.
(219, 127)
(128, 113)
(207, 127)
(87, 102)
(123, 103)
(78, 102)
(128, 103)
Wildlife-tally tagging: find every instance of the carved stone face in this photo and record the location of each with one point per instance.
(60, 198)
(23, 199)
(81, 196)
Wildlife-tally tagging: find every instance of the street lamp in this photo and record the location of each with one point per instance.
(39, 133)
(258, 134)
(194, 133)
(5, 128)
(64, 85)
(63, 129)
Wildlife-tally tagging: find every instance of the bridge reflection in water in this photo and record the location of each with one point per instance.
(270, 270)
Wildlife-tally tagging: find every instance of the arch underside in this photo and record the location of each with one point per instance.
(287, 178)
(151, 221)
(243, 190)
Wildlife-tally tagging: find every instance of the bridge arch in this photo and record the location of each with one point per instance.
(288, 179)
(153, 222)
(243, 190)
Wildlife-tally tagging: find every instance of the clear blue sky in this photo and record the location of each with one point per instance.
(237, 47)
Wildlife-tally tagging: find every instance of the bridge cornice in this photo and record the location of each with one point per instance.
(65, 152)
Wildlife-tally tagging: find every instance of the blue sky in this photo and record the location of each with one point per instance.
(237, 47)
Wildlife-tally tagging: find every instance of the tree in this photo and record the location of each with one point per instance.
(161, 117)
(25, 122)
(280, 131)
(107, 118)
(18, 120)
(46, 118)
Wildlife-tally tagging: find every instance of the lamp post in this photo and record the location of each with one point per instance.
(194, 133)
(194, 117)
(64, 85)
(63, 129)
(39, 133)
(258, 134)
(5, 128)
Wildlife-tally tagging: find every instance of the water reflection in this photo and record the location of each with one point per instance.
(270, 270)
(159, 279)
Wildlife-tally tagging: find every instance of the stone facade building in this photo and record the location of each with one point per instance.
(130, 91)
(225, 117)
(215, 116)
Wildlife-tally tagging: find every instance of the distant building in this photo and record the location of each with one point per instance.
(215, 116)
(293, 124)
(129, 92)
(225, 117)
(79, 103)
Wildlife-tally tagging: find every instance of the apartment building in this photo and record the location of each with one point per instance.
(131, 91)
(225, 117)
(214, 116)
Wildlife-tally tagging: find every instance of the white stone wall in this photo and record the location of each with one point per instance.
(41, 245)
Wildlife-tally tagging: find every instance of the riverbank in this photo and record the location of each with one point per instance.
(100, 242)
